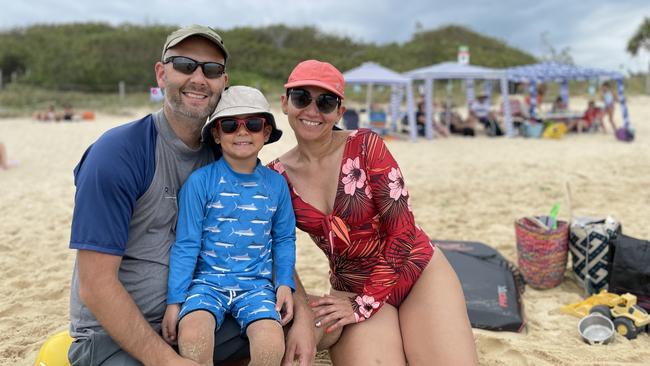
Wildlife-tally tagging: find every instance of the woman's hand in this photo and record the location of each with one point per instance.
(335, 310)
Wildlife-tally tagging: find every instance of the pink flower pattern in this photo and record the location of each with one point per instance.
(354, 176)
(396, 185)
(367, 305)
(278, 167)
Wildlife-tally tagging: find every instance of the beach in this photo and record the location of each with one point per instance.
(461, 189)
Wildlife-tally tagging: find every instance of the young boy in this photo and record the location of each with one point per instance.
(235, 241)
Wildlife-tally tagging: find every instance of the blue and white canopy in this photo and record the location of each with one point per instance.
(562, 73)
(558, 72)
(371, 74)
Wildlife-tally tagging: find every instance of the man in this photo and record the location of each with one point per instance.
(125, 216)
(480, 110)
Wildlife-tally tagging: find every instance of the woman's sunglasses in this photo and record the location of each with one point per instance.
(211, 70)
(231, 124)
(301, 98)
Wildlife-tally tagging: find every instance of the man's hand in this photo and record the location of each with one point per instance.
(170, 320)
(284, 304)
(301, 340)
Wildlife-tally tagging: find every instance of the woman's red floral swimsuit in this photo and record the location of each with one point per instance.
(373, 245)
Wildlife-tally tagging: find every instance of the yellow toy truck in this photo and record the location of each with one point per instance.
(629, 318)
(581, 308)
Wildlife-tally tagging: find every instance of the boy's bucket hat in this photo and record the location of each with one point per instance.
(238, 100)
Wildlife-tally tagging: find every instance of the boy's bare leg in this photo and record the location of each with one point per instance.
(196, 337)
(266, 342)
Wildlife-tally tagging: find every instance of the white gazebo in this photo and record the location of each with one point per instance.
(454, 70)
(372, 74)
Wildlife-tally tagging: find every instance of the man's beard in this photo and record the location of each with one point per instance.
(179, 108)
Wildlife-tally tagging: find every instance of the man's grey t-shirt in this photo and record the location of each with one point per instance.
(125, 205)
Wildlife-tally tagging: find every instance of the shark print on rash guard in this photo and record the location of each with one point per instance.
(234, 230)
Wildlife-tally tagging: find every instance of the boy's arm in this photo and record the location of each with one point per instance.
(103, 293)
(283, 233)
(189, 228)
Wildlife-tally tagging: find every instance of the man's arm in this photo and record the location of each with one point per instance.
(103, 293)
(301, 339)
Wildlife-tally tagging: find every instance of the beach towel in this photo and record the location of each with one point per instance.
(492, 285)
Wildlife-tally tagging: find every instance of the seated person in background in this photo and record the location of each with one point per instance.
(518, 113)
(377, 119)
(5, 163)
(68, 112)
(351, 119)
(541, 90)
(480, 110)
(558, 105)
(376, 116)
(420, 120)
(450, 118)
(592, 119)
(48, 116)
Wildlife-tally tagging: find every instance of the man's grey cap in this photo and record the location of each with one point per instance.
(194, 30)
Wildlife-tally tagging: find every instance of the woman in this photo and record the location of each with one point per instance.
(609, 101)
(394, 297)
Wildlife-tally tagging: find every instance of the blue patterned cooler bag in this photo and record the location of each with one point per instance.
(589, 245)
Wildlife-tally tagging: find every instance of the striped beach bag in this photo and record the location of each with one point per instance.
(591, 256)
(541, 252)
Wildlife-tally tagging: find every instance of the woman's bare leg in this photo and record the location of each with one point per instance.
(374, 341)
(196, 336)
(266, 342)
(433, 319)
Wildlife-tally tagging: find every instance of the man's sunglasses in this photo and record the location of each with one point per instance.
(211, 70)
(301, 98)
(231, 124)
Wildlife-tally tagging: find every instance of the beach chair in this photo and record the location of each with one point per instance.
(351, 119)
(377, 122)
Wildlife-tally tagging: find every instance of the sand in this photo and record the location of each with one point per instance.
(461, 188)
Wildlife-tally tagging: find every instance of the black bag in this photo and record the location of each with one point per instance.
(492, 285)
(631, 268)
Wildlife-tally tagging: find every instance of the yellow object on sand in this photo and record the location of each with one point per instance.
(554, 130)
(54, 352)
(581, 308)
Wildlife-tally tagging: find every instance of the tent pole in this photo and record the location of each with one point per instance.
(621, 99)
(507, 114)
(368, 102)
(411, 111)
(428, 129)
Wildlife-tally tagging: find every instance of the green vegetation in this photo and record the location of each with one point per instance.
(83, 63)
(96, 56)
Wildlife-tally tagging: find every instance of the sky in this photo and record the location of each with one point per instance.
(596, 32)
